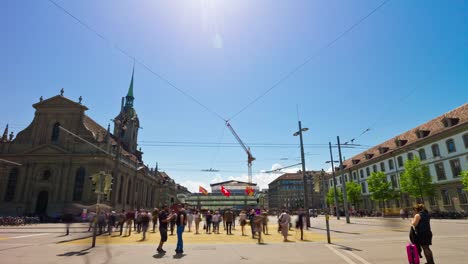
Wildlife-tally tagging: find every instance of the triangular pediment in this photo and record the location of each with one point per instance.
(59, 101)
(47, 150)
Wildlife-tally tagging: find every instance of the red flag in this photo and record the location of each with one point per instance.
(249, 191)
(225, 191)
(202, 190)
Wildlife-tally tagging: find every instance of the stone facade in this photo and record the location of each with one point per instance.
(45, 170)
(287, 191)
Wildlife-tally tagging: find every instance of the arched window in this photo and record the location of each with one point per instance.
(79, 183)
(55, 132)
(435, 150)
(11, 185)
(129, 189)
(450, 146)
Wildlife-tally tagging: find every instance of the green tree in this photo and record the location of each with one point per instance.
(353, 190)
(416, 180)
(380, 189)
(464, 179)
(331, 196)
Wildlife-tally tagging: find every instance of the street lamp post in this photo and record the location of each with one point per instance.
(337, 206)
(304, 179)
(343, 186)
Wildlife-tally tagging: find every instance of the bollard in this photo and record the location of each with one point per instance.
(327, 218)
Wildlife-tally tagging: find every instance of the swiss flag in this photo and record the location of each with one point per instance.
(225, 191)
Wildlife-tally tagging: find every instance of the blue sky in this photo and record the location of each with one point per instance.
(403, 66)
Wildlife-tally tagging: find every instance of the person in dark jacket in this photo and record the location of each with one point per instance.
(422, 227)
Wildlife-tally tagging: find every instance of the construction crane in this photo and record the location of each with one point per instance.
(250, 158)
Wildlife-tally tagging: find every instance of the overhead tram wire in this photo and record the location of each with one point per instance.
(125, 53)
(309, 59)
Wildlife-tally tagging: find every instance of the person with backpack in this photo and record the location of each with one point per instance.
(423, 232)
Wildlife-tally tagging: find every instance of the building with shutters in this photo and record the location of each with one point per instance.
(441, 144)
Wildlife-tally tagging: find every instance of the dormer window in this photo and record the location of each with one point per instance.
(368, 156)
(355, 161)
(400, 142)
(422, 133)
(448, 121)
(382, 150)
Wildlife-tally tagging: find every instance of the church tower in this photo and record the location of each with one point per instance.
(126, 124)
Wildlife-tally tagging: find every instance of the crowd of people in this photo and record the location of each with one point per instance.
(167, 220)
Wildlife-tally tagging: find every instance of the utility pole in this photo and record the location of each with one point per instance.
(343, 186)
(337, 206)
(304, 179)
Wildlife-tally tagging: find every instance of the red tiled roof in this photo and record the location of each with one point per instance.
(435, 127)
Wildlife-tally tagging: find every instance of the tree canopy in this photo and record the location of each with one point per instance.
(416, 180)
(331, 196)
(464, 179)
(380, 188)
(353, 191)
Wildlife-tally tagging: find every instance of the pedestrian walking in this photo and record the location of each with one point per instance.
(422, 227)
(216, 219)
(155, 215)
(92, 220)
(242, 221)
(164, 218)
(138, 220)
(144, 222)
(300, 222)
(208, 218)
(265, 221)
(228, 219)
(251, 217)
(197, 218)
(189, 220)
(181, 221)
(258, 222)
(111, 222)
(129, 221)
(121, 221)
(284, 221)
(135, 217)
(173, 222)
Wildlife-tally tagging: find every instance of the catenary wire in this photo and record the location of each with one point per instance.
(159, 76)
(309, 59)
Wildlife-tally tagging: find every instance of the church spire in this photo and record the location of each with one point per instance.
(129, 98)
(5, 134)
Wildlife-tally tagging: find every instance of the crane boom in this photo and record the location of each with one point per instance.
(250, 158)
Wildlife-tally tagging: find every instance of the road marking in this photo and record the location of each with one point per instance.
(345, 258)
(29, 235)
(357, 257)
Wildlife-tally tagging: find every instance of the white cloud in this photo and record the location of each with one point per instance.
(261, 179)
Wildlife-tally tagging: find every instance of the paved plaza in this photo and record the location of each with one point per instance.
(364, 241)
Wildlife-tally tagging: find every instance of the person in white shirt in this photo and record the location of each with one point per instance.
(284, 220)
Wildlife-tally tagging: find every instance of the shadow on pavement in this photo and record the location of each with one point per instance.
(336, 231)
(346, 247)
(75, 253)
(179, 256)
(159, 255)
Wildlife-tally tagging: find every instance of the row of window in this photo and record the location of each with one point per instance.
(77, 188)
(447, 200)
(450, 143)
